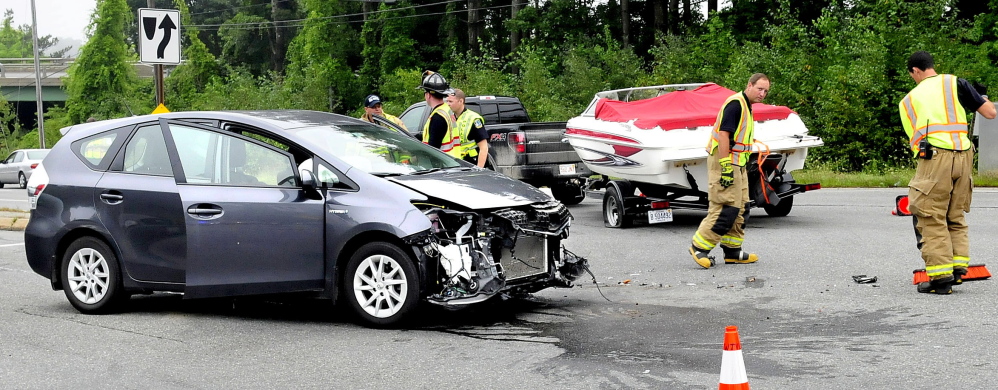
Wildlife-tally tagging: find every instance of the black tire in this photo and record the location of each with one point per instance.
(405, 295)
(781, 209)
(1, 185)
(22, 181)
(613, 209)
(91, 277)
(568, 193)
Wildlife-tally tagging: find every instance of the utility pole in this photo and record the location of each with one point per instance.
(157, 69)
(38, 78)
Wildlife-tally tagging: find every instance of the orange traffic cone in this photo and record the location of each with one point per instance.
(732, 366)
(901, 206)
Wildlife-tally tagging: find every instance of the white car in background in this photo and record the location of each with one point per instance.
(18, 166)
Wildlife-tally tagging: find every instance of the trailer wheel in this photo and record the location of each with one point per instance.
(781, 209)
(613, 209)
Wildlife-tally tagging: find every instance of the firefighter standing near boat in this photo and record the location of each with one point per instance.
(730, 147)
(934, 117)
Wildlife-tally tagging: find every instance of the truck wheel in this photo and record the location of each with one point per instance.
(781, 209)
(568, 193)
(613, 209)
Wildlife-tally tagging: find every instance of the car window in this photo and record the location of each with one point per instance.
(489, 112)
(146, 153)
(37, 154)
(512, 113)
(377, 150)
(413, 117)
(18, 157)
(209, 157)
(10, 158)
(94, 149)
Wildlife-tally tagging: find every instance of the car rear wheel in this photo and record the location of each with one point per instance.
(380, 284)
(91, 278)
(22, 181)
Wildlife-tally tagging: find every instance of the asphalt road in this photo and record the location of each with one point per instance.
(804, 323)
(13, 198)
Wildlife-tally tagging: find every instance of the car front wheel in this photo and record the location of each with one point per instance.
(91, 278)
(380, 284)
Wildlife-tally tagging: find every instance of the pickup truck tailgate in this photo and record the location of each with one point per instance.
(544, 144)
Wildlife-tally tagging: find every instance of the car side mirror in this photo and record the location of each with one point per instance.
(308, 181)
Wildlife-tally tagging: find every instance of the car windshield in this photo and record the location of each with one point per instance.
(37, 154)
(377, 150)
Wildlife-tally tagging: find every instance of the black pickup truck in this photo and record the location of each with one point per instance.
(531, 152)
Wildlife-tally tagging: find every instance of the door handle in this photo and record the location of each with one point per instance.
(204, 211)
(112, 197)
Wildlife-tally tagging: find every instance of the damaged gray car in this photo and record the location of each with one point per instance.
(221, 204)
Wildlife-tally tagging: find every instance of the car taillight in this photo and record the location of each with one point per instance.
(39, 179)
(518, 141)
(35, 165)
(660, 205)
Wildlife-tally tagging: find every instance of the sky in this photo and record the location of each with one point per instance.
(59, 18)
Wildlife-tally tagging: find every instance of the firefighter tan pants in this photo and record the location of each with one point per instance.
(939, 195)
(726, 211)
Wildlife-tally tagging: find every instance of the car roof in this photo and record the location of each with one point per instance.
(279, 119)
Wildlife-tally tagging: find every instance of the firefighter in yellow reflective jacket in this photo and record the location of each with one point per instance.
(474, 139)
(438, 130)
(729, 147)
(934, 117)
(373, 106)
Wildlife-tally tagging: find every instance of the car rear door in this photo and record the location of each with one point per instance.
(251, 227)
(138, 203)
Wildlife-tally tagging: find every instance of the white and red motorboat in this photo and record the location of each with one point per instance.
(655, 138)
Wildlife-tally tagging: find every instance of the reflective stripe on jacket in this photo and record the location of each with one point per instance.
(467, 146)
(932, 109)
(450, 139)
(741, 149)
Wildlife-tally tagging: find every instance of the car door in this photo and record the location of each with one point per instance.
(6, 168)
(139, 205)
(251, 227)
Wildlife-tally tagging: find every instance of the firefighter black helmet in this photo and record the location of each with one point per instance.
(434, 82)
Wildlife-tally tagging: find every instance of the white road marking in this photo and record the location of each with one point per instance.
(6, 245)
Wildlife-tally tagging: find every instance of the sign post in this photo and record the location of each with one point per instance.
(159, 44)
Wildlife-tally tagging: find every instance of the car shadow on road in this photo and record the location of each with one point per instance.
(307, 309)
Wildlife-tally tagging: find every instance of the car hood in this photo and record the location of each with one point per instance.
(478, 189)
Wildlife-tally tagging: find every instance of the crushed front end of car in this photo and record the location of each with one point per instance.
(475, 255)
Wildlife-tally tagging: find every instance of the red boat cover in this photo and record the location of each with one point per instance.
(680, 109)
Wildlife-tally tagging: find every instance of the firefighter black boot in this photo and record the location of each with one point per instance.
(738, 256)
(700, 256)
(942, 285)
(958, 274)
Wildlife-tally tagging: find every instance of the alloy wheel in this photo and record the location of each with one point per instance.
(380, 286)
(88, 276)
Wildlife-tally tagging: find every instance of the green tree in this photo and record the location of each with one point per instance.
(101, 83)
(192, 76)
(318, 75)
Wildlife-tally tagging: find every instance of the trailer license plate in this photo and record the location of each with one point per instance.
(566, 169)
(659, 216)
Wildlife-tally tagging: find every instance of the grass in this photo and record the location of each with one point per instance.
(887, 179)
